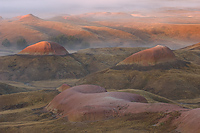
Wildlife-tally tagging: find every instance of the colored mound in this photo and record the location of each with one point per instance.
(44, 48)
(90, 103)
(63, 87)
(149, 57)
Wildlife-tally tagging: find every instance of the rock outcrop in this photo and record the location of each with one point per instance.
(44, 48)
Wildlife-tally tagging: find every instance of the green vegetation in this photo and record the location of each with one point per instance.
(6, 43)
(70, 42)
(21, 43)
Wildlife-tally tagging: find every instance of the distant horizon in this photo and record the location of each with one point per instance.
(50, 8)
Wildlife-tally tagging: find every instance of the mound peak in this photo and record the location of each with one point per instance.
(151, 56)
(44, 48)
(29, 17)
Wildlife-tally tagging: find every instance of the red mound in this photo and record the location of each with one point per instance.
(63, 87)
(90, 102)
(189, 121)
(152, 56)
(44, 48)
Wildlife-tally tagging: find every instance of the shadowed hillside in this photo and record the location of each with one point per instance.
(35, 67)
(27, 68)
(8, 89)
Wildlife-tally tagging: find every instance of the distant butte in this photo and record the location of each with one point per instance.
(29, 17)
(44, 48)
(151, 56)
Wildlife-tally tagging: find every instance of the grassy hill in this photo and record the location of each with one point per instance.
(175, 82)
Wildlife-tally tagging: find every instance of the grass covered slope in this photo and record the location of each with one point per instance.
(27, 68)
(8, 89)
(34, 67)
(174, 81)
(23, 112)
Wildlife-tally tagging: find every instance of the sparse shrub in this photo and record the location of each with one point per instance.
(6, 43)
(21, 43)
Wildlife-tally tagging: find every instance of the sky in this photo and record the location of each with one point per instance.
(11, 8)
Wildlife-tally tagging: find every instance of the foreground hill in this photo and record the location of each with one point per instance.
(24, 112)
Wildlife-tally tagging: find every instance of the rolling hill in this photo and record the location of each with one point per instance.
(176, 80)
(102, 29)
(164, 88)
(26, 68)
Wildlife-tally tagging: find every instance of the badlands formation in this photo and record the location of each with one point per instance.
(156, 70)
(91, 103)
(152, 56)
(134, 99)
(44, 48)
(115, 89)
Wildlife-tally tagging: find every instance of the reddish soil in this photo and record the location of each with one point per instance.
(152, 56)
(90, 103)
(44, 48)
(189, 121)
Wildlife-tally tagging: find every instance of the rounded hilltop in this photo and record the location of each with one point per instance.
(92, 103)
(29, 17)
(44, 48)
(151, 56)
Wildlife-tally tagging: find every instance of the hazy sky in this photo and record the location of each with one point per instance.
(10, 8)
